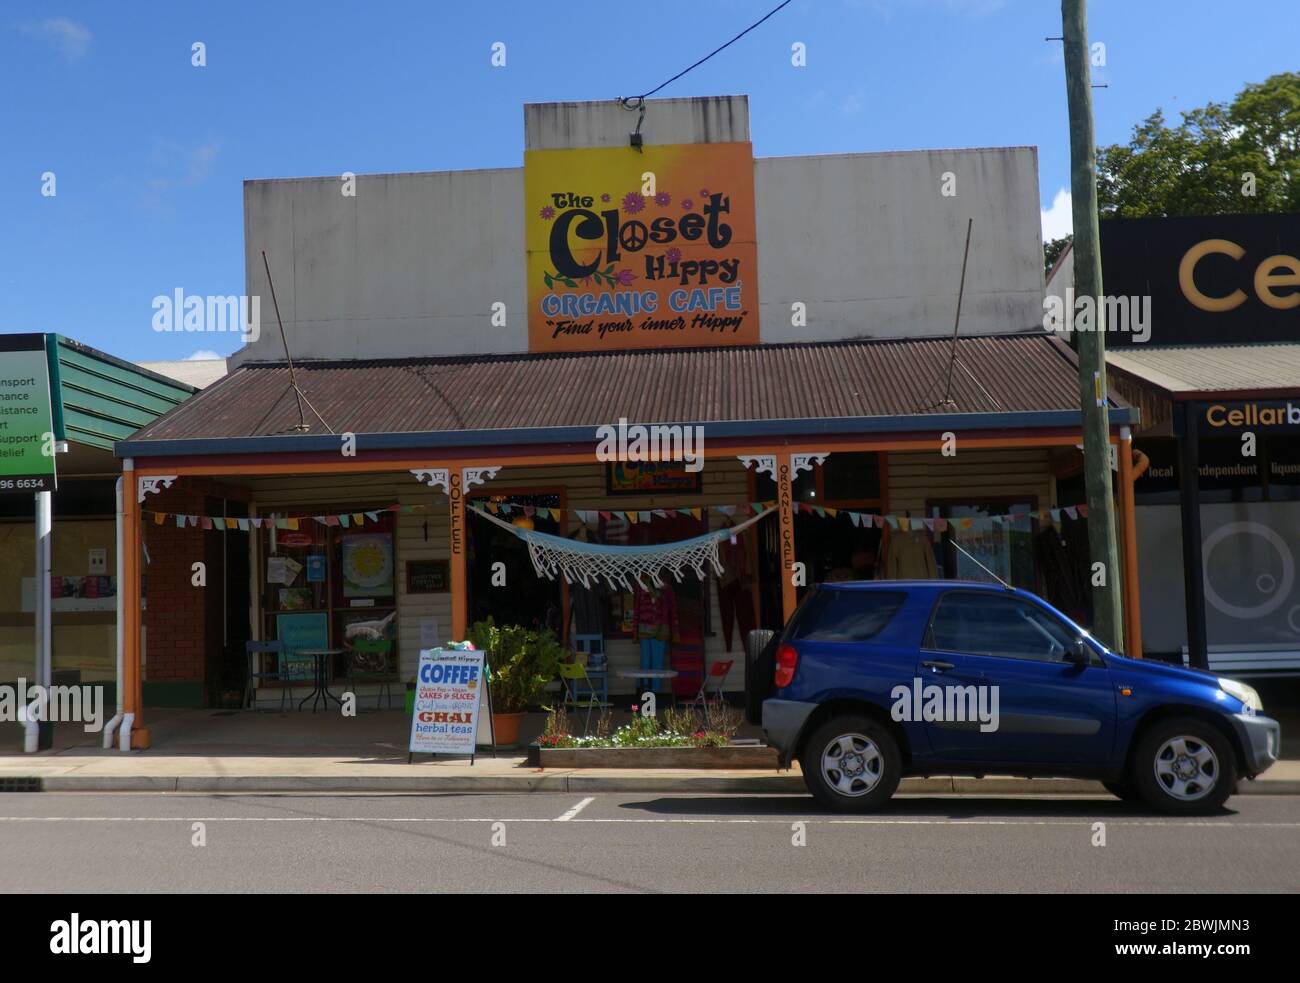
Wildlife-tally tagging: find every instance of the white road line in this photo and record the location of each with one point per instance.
(1181, 824)
(576, 809)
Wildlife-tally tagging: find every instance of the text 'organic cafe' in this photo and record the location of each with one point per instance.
(478, 355)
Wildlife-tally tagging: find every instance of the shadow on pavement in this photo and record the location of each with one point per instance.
(928, 807)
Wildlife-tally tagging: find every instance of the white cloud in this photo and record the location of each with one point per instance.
(1058, 220)
(69, 37)
(201, 354)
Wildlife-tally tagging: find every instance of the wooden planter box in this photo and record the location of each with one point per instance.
(740, 756)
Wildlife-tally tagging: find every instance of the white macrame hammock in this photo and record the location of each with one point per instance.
(588, 562)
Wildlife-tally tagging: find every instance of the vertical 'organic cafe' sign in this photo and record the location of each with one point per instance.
(641, 250)
(26, 423)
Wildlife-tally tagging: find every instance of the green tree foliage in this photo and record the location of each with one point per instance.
(1052, 250)
(1199, 167)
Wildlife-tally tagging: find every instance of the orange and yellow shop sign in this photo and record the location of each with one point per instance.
(641, 250)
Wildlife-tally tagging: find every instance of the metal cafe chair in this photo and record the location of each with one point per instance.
(573, 679)
(371, 660)
(718, 673)
(256, 653)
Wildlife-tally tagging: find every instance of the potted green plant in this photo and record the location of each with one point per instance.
(522, 662)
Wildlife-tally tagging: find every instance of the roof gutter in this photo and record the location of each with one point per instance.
(424, 440)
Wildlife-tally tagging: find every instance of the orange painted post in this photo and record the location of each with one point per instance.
(1128, 529)
(459, 578)
(785, 503)
(132, 674)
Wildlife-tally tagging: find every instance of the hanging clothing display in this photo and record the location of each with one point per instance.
(735, 602)
(910, 556)
(655, 625)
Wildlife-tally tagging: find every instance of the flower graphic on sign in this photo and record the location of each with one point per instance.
(625, 277)
(663, 199)
(605, 196)
(687, 204)
(633, 202)
(673, 254)
(548, 212)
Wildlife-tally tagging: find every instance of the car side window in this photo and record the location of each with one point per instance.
(845, 615)
(997, 625)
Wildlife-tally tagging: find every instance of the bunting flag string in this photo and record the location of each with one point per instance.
(276, 520)
(862, 520)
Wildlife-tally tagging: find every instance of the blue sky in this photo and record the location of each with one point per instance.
(150, 153)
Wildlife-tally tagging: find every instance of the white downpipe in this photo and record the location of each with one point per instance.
(121, 630)
(124, 738)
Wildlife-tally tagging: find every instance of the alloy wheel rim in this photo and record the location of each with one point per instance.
(852, 764)
(1186, 768)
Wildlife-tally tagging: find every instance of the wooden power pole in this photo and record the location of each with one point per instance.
(1107, 620)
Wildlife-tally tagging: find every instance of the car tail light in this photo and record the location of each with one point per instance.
(787, 661)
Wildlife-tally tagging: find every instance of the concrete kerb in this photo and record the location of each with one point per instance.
(766, 784)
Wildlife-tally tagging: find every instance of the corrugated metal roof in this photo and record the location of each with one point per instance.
(1213, 368)
(102, 399)
(1002, 374)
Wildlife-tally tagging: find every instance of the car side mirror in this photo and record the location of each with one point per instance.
(1078, 654)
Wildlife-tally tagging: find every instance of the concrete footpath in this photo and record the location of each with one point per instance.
(91, 771)
(226, 751)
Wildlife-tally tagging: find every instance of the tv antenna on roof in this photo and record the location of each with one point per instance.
(299, 395)
(948, 402)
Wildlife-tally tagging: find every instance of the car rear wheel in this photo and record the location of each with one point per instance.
(1184, 765)
(851, 764)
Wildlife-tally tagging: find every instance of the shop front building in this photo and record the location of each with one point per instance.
(627, 349)
(1215, 372)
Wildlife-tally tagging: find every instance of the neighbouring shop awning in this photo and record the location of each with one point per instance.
(1218, 371)
(1154, 379)
(1022, 381)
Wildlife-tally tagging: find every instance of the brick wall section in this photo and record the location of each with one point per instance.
(174, 619)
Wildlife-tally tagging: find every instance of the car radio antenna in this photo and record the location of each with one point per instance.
(977, 563)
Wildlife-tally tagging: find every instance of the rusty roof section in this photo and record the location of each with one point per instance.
(819, 380)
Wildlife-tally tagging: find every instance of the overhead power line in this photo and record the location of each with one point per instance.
(635, 102)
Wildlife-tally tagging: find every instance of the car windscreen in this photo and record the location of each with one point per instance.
(845, 615)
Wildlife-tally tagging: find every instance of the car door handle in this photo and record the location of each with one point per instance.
(937, 665)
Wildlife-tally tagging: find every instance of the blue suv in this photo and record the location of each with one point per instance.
(873, 681)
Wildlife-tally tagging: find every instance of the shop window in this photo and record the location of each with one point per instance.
(322, 585)
(1006, 548)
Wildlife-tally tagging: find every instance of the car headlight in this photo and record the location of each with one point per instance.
(1246, 694)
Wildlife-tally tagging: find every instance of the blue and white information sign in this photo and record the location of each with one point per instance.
(448, 702)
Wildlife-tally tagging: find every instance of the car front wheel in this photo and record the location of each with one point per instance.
(1184, 765)
(851, 764)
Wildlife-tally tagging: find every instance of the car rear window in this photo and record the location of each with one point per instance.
(845, 615)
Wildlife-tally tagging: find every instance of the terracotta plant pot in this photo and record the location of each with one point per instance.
(505, 728)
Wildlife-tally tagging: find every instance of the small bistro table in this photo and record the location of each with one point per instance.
(321, 691)
(649, 674)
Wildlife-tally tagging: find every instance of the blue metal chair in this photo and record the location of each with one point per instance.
(256, 653)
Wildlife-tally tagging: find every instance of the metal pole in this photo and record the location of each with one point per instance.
(44, 646)
(1107, 619)
(1189, 500)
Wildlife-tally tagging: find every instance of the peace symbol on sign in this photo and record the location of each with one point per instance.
(633, 236)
